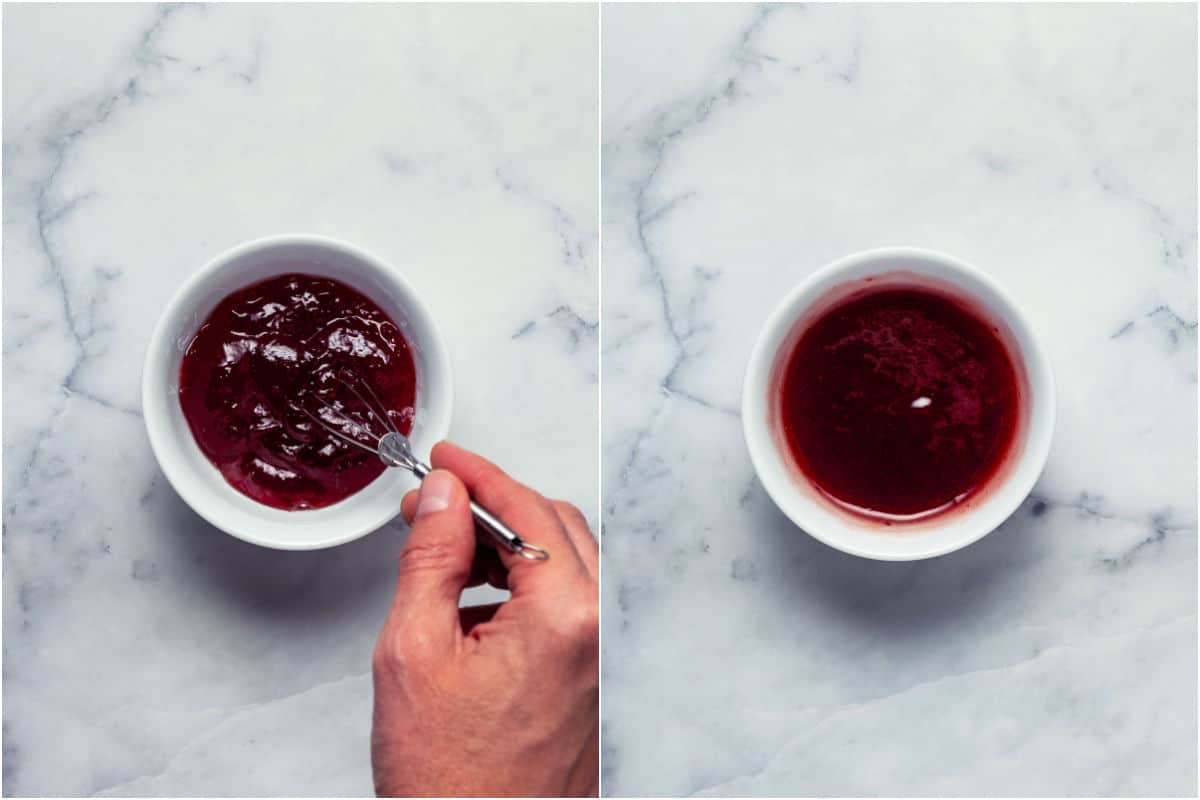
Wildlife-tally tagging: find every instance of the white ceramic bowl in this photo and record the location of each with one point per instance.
(191, 474)
(811, 510)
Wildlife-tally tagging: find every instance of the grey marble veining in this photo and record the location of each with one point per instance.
(146, 653)
(745, 146)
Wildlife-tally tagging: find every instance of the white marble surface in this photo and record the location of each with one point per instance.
(146, 653)
(745, 147)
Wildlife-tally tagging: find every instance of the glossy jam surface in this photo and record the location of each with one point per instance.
(899, 403)
(266, 359)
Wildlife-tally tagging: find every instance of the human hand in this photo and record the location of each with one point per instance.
(490, 700)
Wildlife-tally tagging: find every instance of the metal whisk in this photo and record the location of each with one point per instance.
(393, 449)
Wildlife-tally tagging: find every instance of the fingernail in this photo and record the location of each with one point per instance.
(436, 490)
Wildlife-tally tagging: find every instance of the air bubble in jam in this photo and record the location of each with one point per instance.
(899, 403)
(266, 358)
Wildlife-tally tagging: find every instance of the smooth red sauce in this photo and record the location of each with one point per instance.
(899, 403)
(266, 355)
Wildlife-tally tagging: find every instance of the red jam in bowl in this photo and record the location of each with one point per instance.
(264, 360)
(899, 403)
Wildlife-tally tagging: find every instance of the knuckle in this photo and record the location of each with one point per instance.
(386, 658)
(421, 556)
(397, 652)
(578, 622)
(570, 513)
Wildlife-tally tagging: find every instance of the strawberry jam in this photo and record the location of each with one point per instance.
(899, 403)
(267, 359)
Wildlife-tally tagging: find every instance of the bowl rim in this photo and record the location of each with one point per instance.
(155, 427)
(756, 384)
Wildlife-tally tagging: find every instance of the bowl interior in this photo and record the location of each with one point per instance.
(939, 534)
(199, 482)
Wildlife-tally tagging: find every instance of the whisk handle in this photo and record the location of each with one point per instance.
(503, 535)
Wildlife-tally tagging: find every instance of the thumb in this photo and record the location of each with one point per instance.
(435, 563)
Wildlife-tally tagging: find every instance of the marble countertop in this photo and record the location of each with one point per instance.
(1054, 146)
(146, 653)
